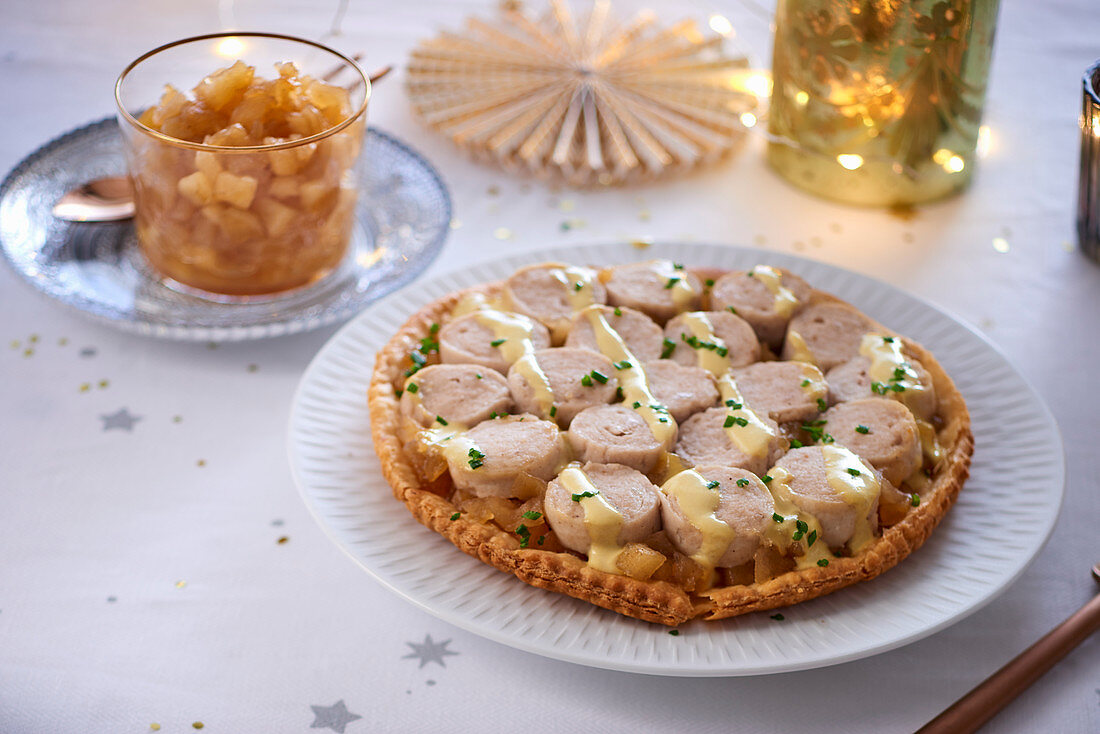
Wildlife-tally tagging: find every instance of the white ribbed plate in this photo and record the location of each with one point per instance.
(997, 526)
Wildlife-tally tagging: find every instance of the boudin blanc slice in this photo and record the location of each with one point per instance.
(596, 509)
(913, 386)
(559, 382)
(832, 486)
(714, 340)
(683, 390)
(715, 436)
(465, 394)
(883, 432)
(784, 391)
(696, 504)
(765, 297)
(658, 288)
(640, 333)
(826, 334)
(552, 292)
(614, 434)
(487, 459)
(492, 339)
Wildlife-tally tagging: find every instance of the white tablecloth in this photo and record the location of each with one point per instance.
(169, 573)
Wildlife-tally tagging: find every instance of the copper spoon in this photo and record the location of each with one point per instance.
(111, 198)
(980, 705)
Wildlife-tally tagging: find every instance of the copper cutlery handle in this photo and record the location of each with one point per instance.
(971, 711)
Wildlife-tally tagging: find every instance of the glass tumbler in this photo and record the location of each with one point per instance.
(245, 185)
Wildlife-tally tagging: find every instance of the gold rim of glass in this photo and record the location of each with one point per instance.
(241, 148)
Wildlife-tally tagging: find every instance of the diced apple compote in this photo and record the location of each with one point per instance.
(252, 221)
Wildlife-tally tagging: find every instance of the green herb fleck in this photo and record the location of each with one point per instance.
(532, 515)
(709, 282)
(586, 380)
(479, 376)
(731, 403)
(524, 536)
(578, 285)
(434, 328)
(732, 310)
(778, 617)
(677, 266)
(888, 339)
(413, 388)
(823, 562)
(822, 405)
(671, 282)
(795, 443)
(668, 348)
(797, 535)
(624, 365)
(636, 405)
(742, 482)
(674, 633)
(801, 526)
(441, 419)
(766, 478)
(497, 342)
(854, 472)
(862, 429)
(914, 499)
(811, 538)
(732, 420)
(599, 377)
(456, 516)
(777, 517)
(582, 495)
(618, 311)
(553, 410)
(805, 383)
(398, 392)
(476, 458)
(712, 484)
(542, 538)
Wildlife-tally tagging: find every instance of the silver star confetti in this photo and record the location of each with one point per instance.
(122, 418)
(334, 717)
(429, 651)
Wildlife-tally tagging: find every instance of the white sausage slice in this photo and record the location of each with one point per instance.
(705, 439)
(659, 288)
(753, 299)
(487, 459)
(640, 333)
(743, 504)
(614, 434)
(552, 292)
(489, 338)
(826, 334)
(559, 382)
(683, 390)
(852, 381)
(785, 391)
(461, 393)
(712, 339)
(626, 491)
(812, 487)
(883, 432)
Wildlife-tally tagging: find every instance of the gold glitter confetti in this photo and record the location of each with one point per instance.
(33, 338)
(643, 215)
(907, 237)
(986, 323)
(62, 342)
(1067, 246)
(815, 241)
(799, 245)
(85, 386)
(282, 540)
(102, 384)
(759, 239)
(15, 344)
(180, 584)
(1000, 244)
(28, 352)
(835, 228)
(253, 368)
(177, 418)
(201, 462)
(641, 243)
(456, 223)
(155, 726)
(493, 190)
(566, 205)
(502, 233)
(197, 725)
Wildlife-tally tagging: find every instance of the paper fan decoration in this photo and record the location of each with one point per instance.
(587, 100)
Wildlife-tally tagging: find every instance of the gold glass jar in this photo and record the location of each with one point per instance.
(245, 185)
(879, 102)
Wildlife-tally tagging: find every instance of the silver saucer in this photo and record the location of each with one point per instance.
(403, 218)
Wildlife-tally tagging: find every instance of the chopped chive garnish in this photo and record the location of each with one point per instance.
(797, 535)
(671, 282)
(914, 499)
(413, 388)
(582, 495)
(742, 482)
(618, 311)
(734, 404)
(735, 420)
(541, 539)
(456, 516)
(677, 266)
(599, 377)
(418, 359)
(625, 364)
(862, 429)
(532, 515)
(801, 525)
(777, 517)
(479, 376)
(823, 562)
(674, 633)
(662, 419)
(668, 348)
(553, 410)
(722, 351)
(586, 380)
(795, 443)
(732, 310)
(636, 405)
(398, 392)
(497, 342)
(777, 617)
(578, 285)
(524, 536)
(441, 419)
(709, 282)
(822, 405)
(750, 273)
(766, 478)
(811, 538)
(493, 415)
(854, 472)
(433, 328)
(476, 458)
(805, 383)
(888, 339)
(712, 484)
(619, 393)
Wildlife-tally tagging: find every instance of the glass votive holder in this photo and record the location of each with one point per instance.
(1088, 184)
(246, 185)
(879, 104)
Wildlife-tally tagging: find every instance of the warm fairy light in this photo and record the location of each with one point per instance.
(985, 140)
(230, 48)
(941, 156)
(753, 81)
(1000, 244)
(801, 98)
(748, 119)
(851, 161)
(954, 164)
(721, 25)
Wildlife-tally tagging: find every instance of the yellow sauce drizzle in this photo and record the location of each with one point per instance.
(799, 350)
(451, 440)
(472, 302)
(780, 534)
(569, 276)
(699, 504)
(703, 330)
(603, 522)
(755, 437)
(859, 491)
(785, 301)
(529, 367)
(632, 378)
(886, 358)
(516, 331)
(813, 382)
(681, 291)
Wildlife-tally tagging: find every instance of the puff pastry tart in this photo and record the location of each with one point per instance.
(668, 442)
